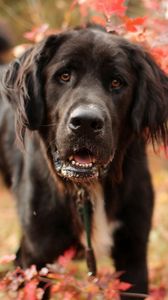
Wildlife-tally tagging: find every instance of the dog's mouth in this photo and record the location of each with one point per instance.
(81, 165)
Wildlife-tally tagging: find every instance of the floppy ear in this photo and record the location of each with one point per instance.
(24, 82)
(150, 107)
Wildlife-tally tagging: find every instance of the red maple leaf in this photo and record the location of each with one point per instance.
(132, 24)
(108, 7)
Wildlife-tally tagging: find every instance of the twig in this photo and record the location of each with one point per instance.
(131, 295)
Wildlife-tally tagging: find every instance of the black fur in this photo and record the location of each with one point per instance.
(119, 122)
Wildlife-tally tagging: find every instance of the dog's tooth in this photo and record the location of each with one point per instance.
(90, 165)
(73, 162)
(64, 173)
(77, 164)
(71, 157)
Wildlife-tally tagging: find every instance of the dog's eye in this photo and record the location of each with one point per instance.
(116, 83)
(65, 77)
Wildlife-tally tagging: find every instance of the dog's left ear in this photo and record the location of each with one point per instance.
(150, 107)
(24, 82)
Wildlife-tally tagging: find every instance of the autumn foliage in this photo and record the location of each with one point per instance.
(65, 278)
(67, 282)
(150, 30)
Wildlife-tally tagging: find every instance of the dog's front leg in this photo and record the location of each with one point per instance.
(130, 251)
(130, 257)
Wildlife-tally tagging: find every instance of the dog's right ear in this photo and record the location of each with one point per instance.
(24, 83)
(150, 108)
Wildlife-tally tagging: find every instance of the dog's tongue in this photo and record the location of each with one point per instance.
(83, 158)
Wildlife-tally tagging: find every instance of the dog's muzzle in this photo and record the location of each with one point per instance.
(85, 122)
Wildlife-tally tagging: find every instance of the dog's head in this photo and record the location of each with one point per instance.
(88, 93)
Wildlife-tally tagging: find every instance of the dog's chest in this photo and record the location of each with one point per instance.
(101, 228)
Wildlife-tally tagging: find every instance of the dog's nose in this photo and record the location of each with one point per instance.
(86, 119)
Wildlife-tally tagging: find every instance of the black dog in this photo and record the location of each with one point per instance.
(84, 103)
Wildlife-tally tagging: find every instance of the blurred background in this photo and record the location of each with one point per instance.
(23, 15)
(26, 21)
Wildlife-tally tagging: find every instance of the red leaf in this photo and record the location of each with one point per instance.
(132, 24)
(64, 259)
(30, 290)
(124, 286)
(110, 293)
(109, 7)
